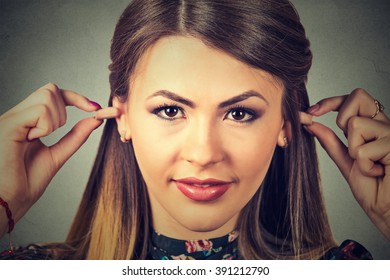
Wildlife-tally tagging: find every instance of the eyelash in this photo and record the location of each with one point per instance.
(159, 110)
(163, 107)
(252, 114)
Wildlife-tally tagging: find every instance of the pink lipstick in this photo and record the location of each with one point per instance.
(202, 190)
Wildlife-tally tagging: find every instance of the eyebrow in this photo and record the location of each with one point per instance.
(174, 97)
(241, 97)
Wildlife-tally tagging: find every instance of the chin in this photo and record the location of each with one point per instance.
(201, 227)
(207, 223)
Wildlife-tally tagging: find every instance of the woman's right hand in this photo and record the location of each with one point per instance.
(26, 164)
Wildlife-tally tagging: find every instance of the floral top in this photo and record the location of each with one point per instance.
(222, 248)
(348, 250)
(226, 248)
(165, 248)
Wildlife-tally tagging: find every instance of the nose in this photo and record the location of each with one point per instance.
(203, 145)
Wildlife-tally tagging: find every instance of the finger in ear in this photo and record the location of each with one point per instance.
(122, 118)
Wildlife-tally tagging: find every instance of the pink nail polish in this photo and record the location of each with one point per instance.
(93, 103)
(313, 109)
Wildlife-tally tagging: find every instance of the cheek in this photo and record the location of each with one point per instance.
(154, 149)
(251, 156)
(258, 152)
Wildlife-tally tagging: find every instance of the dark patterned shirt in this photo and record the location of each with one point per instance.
(222, 248)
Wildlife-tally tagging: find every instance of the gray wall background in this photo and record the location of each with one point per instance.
(67, 42)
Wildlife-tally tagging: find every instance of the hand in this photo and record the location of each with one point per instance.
(26, 164)
(365, 162)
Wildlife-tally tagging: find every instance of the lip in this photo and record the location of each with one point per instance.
(202, 190)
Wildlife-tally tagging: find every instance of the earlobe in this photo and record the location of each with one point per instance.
(122, 120)
(284, 136)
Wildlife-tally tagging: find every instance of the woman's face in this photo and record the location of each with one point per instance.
(204, 128)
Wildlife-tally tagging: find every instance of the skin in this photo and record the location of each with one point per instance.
(27, 163)
(365, 161)
(201, 140)
(204, 137)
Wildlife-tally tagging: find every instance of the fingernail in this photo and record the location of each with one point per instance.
(30, 140)
(313, 108)
(95, 104)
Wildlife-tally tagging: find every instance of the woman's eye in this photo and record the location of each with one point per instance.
(240, 115)
(169, 112)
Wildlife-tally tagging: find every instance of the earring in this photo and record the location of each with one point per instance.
(285, 143)
(123, 136)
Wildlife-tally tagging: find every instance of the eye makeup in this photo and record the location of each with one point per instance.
(169, 112)
(112, 112)
(236, 113)
(241, 114)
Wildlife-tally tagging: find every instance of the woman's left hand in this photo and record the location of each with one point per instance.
(365, 162)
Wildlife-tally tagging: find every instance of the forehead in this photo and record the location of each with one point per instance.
(179, 63)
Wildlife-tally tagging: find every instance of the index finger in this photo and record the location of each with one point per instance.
(72, 98)
(327, 105)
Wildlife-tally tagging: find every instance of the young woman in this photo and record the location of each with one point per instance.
(204, 154)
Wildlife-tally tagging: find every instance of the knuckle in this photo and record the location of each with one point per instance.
(45, 115)
(46, 128)
(51, 86)
(354, 123)
(360, 153)
(340, 121)
(364, 163)
(358, 92)
(352, 151)
(365, 172)
(44, 110)
(47, 96)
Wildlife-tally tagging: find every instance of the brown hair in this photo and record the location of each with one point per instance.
(286, 218)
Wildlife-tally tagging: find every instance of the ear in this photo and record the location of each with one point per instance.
(122, 121)
(285, 132)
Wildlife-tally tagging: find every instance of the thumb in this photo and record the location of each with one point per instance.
(335, 148)
(73, 140)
